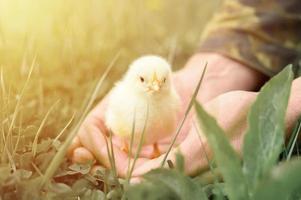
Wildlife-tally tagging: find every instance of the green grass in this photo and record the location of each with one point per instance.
(57, 60)
(258, 176)
(51, 56)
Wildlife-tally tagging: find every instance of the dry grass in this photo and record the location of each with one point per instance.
(53, 52)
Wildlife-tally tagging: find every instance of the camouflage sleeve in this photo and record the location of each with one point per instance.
(263, 34)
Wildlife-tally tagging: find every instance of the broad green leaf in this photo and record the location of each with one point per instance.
(282, 182)
(115, 194)
(150, 191)
(182, 185)
(167, 184)
(265, 135)
(59, 188)
(80, 168)
(97, 195)
(225, 156)
(208, 177)
(93, 195)
(80, 186)
(28, 189)
(215, 191)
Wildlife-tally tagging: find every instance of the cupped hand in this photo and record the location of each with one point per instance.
(222, 75)
(230, 110)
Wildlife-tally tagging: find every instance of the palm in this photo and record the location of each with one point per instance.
(90, 142)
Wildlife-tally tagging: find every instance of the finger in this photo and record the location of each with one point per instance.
(146, 151)
(82, 155)
(122, 163)
(92, 139)
(147, 166)
(149, 151)
(74, 144)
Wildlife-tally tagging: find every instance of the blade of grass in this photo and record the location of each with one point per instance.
(59, 156)
(4, 106)
(185, 116)
(19, 135)
(15, 113)
(204, 150)
(64, 129)
(131, 148)
(111, 156)
(2, 82)
(35, 141)
(113, 159)
(293, 139)
(17, 107)
(216, 181)
(139, 145)
(132, 137)
(37, 169)
(226, 158)
(41, 95)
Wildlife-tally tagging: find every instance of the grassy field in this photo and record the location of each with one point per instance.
(68, 45)
(52, 53)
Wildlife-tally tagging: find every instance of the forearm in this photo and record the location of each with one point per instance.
(222, 75)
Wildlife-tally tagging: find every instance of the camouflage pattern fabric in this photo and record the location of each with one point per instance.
(263, 34)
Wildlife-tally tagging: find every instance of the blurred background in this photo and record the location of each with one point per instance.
(70, 43)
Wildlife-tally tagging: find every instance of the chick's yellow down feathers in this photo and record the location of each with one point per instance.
(145, 94)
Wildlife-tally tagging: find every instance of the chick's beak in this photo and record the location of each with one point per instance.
(155, 84)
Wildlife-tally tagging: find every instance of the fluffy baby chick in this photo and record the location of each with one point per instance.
(145, 94)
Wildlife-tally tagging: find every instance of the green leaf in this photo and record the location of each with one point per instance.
(282, 182)
(215, 191)
(80, 168)
(182, 185)
(80, 186)
(93, 195)
(264, 138)
(167, 184)
(225, 156)
(59, 188)
(150, 191)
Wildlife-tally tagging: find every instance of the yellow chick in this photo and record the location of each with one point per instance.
(145, 94)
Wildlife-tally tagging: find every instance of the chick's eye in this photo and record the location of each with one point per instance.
(141, 79)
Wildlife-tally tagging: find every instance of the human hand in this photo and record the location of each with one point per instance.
(222, 75)
(230, 110)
